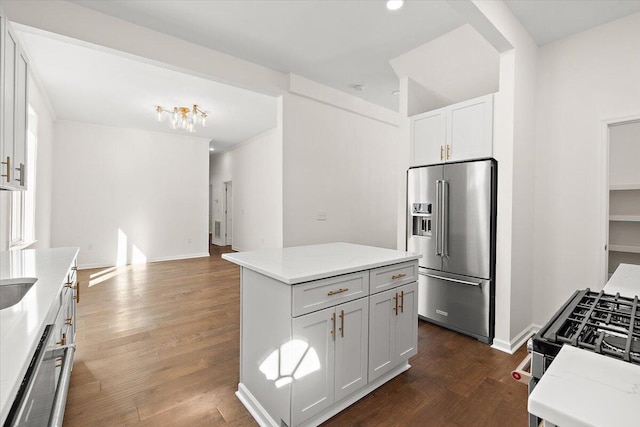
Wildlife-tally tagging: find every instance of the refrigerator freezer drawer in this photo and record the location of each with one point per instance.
(461, 303)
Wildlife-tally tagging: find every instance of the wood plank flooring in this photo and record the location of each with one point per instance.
(158, 345)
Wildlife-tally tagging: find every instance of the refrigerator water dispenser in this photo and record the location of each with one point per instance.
(421, 214)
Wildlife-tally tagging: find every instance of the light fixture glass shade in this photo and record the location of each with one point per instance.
(183, 117)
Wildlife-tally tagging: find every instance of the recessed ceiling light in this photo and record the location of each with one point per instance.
(395, 4)
(395, 93)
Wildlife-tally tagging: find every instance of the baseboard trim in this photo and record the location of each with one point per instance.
(263, 418)
(161, 259)
(517, 342)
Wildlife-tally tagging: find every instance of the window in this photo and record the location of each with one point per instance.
(23, 202)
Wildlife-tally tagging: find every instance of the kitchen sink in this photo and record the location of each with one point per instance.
(13, 290)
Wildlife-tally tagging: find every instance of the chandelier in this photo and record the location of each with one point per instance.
(183, 117)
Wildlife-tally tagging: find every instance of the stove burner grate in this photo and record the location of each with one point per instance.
(603, 323)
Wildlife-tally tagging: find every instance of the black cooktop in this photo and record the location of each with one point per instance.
(603, 323)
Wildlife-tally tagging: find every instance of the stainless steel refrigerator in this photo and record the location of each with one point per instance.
(451, 221)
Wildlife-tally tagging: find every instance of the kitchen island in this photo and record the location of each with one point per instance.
(322, 326)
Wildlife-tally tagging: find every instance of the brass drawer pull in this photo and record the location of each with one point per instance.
(8, 175)
(77, 296)
(441, 153)
(398, 276)
(333, 328)
(395, 298)
(69, 321)
(402, 302)
(448, 151)
(63, 341)
(339, 291)
(342, 323)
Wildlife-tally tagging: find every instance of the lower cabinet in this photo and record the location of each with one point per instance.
(393, 329)
(332, 357)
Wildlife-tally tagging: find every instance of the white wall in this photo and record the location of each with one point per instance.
(582, 80)
(113, 182)
(44, 165)
(342, 165)
(255, 169)
(624, 154)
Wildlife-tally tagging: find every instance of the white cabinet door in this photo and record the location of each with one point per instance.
(382, 308)
(312, 364)
(470, 130)
(406, 327)
(428, 138)
(9, 52)
(21, 117)
(393, 328)
(352, 343)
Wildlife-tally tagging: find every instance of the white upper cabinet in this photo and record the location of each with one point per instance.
(428, 133)
(462, 131)
(14, 117)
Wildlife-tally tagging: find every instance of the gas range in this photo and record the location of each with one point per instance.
(603, 323)
(594, 321)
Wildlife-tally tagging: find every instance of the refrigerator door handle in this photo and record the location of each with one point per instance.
(449, 279)
(438, 216)
(445, 218)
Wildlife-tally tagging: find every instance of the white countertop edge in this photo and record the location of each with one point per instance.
(366, 257)
(585, 389)
(9, 386)
(318, 276)
(625, 281)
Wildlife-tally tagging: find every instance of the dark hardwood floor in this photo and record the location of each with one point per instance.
(158, 345)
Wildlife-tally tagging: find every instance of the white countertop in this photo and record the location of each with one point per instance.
(582, 388)
(305, 263)
(625, 280)
(21, 325)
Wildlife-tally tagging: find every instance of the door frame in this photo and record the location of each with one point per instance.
(603, 175)
(226, 185)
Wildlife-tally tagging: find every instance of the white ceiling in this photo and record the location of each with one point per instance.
(550, 20)
(336, 43)
(94, 86)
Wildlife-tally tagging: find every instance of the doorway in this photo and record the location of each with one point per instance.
(623, 194)
(228, 213)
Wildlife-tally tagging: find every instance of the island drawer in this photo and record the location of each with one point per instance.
(319, 294)
(391, 276)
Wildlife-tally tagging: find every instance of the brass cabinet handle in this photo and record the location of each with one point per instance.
(448, 151)
(77, 296)
(402, 302)
(398, 276)
(8, 163)
(396, 300)
(63, 341)
(342, 323)
(69, 321)
(441, 152)
(339, 291)
(333, 327)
